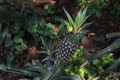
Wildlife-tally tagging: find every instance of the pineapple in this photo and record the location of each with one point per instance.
(69, 44)
(66, 49)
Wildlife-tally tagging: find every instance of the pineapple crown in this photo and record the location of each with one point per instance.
(78, 24)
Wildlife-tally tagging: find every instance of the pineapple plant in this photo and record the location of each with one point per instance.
(70, 43)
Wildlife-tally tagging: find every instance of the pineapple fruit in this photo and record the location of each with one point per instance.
(69, 44)
(66, 49)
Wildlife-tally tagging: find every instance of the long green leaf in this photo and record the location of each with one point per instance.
(44, 44)
(71, 21)
(77, 19)
(47, 75)
(113, 66)
(116, 74)
(81, 18)
(40, 69)
(10, 58)
(70, 77)
(84, 12)
(86, 25)
(113, 46)
(18, 70)
(111, 35)
(42, 52)
(56, 71)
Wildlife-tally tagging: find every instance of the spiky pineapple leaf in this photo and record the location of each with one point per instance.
(113, 66)
(42, 52)
(111, 35)
(10, 58)
(84, 26)
(77, 19)
(113, 46)
(70, 77)
(44, 44)
(56, 71)
(71, 21)
(81, 18)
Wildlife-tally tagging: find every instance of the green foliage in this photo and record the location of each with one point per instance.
(48, 69)
(38, 27)
(115, 45)
(11, 23)
(79, 22)
(116, 10)
(48, 10)
(91, 70)
(94, 6)
(19, 45)
(13, 28)
(15, 23)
